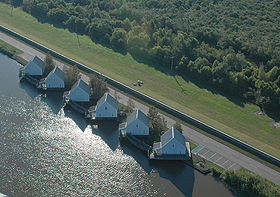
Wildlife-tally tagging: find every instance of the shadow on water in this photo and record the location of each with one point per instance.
(177, 172)
(53, 99)
(29, 88)
(78, 118)
(108, 131)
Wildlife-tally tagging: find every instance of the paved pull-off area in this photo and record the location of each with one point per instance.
(209, 148)
(215, 158)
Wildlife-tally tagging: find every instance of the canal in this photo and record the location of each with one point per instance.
(48, 150)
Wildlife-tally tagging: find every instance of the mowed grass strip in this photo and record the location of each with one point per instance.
(10, 47)
(222, 112)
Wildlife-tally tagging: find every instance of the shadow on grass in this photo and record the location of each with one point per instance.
(142, 58)
(210, 87)
(189, 78)
(15, 3)
(274, 115)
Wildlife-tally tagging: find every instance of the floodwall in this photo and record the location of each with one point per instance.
(141, 96)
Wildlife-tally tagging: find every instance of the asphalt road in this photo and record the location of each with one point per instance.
(238, 159)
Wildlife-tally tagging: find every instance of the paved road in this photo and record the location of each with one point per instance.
(217, 152)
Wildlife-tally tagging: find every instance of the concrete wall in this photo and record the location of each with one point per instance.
(154, 102)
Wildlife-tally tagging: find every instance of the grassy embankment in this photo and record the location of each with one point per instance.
(246, 183)
(224, 113)
(12, 52)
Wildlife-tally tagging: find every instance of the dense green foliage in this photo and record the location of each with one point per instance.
(72, 75)
(12, 52)
(49, 64)
(178, 127)
(98, 86)
(233, 45)
(4, 50)
(247, 183)
(158, 124)
(130, 104)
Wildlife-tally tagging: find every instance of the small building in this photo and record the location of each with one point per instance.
(106, 107)
(137, 124)
(172, 142)
(34, 67)
(54, 80)
(80, 92)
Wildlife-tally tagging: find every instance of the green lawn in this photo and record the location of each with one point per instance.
(10, 47)
(12, 52)
(221, 112)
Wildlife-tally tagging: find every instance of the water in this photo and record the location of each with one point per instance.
(46, 150)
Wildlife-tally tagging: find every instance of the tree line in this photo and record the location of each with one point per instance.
(231, 45)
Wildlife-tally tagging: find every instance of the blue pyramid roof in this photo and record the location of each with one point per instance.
(170, 134)
(83, 85)
(138, 114)
(57, 71)
(107, 98)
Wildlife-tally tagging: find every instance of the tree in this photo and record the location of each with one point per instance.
(130, 104)
(98, 86)
(262, 74)
(178, 127)
(72, 75)
(126, 25)
(118, 38)
(271, 75)
(137, 37)
(152, 114)
(49, 64)
(116, 95)
(157, 122)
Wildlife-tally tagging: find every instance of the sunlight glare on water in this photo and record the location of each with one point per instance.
(48, 150)
(59, 152)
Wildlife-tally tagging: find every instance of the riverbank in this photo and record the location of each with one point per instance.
(219, 111)
(12, 52)
(48, 151)
(203, 166)
(188, 132)
(246, 183)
